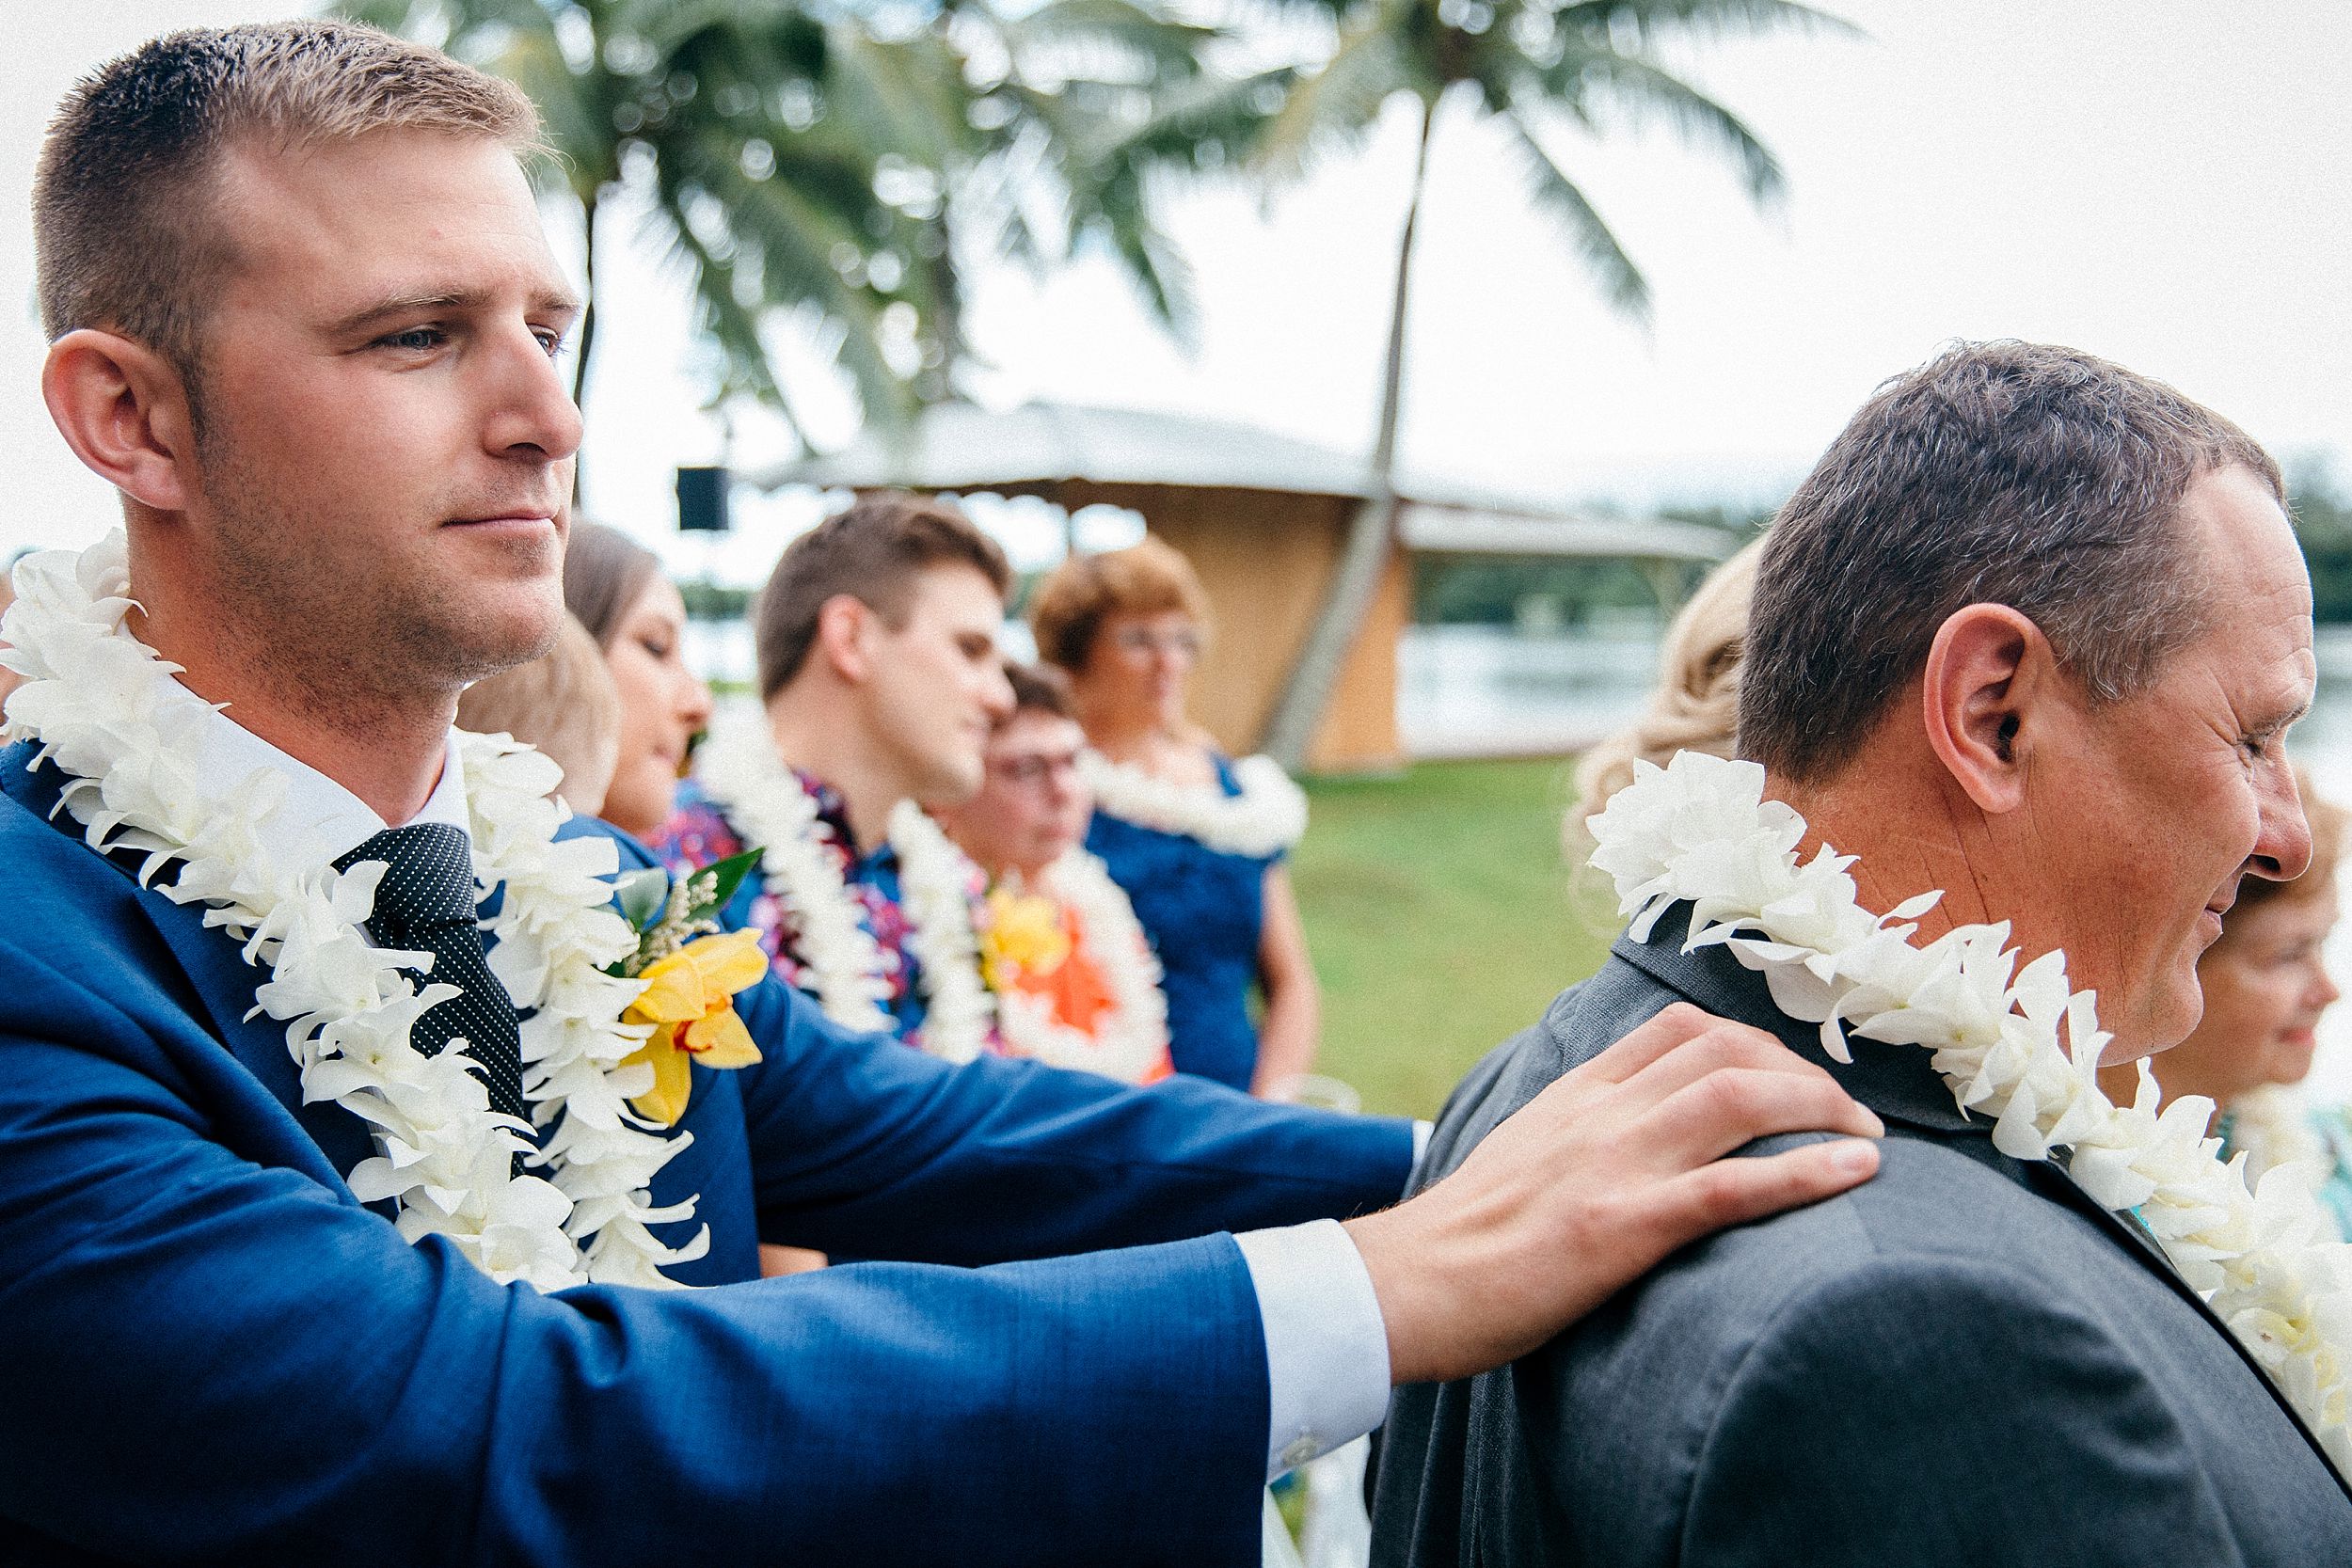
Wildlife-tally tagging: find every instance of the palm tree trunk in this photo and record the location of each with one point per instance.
(587, 323)
(1365, 556)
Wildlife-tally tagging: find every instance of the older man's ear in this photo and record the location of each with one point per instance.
(1989, 675)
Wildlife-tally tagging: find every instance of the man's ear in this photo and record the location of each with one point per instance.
(122, 409)
(844, 623)
(1988, 670)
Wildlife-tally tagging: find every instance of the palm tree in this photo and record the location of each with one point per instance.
(1523, 66)
(803, 156)
(1072, 111)
(762, 128)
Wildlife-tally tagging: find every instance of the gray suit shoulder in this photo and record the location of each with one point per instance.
(1953, 1364)
(1897, 1376)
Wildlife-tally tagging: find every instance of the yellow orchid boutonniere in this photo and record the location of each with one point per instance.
(692, 979)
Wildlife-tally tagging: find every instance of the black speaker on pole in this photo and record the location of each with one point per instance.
(702, 501)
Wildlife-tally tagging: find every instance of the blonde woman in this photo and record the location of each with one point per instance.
(1695, 706)
(564, 704)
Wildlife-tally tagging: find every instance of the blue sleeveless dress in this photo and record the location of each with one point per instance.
(1204, 910)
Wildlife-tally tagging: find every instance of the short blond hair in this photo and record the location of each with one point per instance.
(1695, 704)
(125, 231)
(564, 704)
(1145, 579)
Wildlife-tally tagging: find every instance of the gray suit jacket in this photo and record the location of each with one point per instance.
(1963, 1361)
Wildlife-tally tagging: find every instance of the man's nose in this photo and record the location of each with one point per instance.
(531, 412)
(2282, 848)
(996, 695)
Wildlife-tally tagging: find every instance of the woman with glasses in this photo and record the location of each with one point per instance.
(1197, 840)
(1074, 981)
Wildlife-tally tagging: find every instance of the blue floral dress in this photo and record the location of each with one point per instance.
(1204, 912)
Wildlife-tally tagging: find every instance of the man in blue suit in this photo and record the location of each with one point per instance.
(305, 321)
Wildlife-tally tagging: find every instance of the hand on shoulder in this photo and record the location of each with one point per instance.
(1614, 1166)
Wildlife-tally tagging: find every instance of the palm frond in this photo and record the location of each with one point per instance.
(1619, 279)
(1169, 47)
(1650, 18)
(1335, 104)
(1642, 88)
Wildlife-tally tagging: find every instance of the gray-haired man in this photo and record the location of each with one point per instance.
(2031, 633)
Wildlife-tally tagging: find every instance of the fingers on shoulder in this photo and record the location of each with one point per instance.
(1738, 1191)
(1682, 1041)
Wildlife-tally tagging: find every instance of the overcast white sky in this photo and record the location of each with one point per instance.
(2158, 181)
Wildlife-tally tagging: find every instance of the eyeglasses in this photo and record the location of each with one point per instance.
(1034, 770)
(1144, 640)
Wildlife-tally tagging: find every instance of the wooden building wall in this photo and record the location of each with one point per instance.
(1266, 559)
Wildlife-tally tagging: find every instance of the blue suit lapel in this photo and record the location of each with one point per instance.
(219, 976)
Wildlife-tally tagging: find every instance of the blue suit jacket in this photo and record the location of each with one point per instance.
(211, 1352)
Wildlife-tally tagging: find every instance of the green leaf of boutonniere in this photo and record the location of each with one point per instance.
(641, 894)
(669, 914)
(725, 876)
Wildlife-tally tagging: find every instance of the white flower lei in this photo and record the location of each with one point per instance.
(1268, 817)
(935, 884)
(2265, 1260)
(768, 808)
(107, 712)
(1133, 1040)
(2271, 1127)
(765, 805)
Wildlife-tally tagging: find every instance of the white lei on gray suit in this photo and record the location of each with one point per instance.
(2266, 1260)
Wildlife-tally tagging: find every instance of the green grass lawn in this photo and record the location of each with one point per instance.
(1441, 920)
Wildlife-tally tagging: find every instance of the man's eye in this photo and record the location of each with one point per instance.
(552, 342)
(417, 339)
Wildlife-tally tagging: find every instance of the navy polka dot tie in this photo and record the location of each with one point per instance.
(426, 902)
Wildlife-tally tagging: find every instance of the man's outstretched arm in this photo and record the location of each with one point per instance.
(1610, 1169)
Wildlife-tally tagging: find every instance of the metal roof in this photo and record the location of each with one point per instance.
(957, 446)
(961, 446)
(1465, 531)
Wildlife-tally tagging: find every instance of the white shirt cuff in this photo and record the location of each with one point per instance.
(1327, 1346)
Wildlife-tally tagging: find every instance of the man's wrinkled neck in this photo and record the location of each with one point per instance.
(1910, 833)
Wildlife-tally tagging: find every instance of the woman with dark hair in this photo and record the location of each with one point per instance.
(616, 588)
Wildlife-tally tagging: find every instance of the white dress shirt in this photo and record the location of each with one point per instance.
(1326, 1347)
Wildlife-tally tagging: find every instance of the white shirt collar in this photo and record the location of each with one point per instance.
(226, 754)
